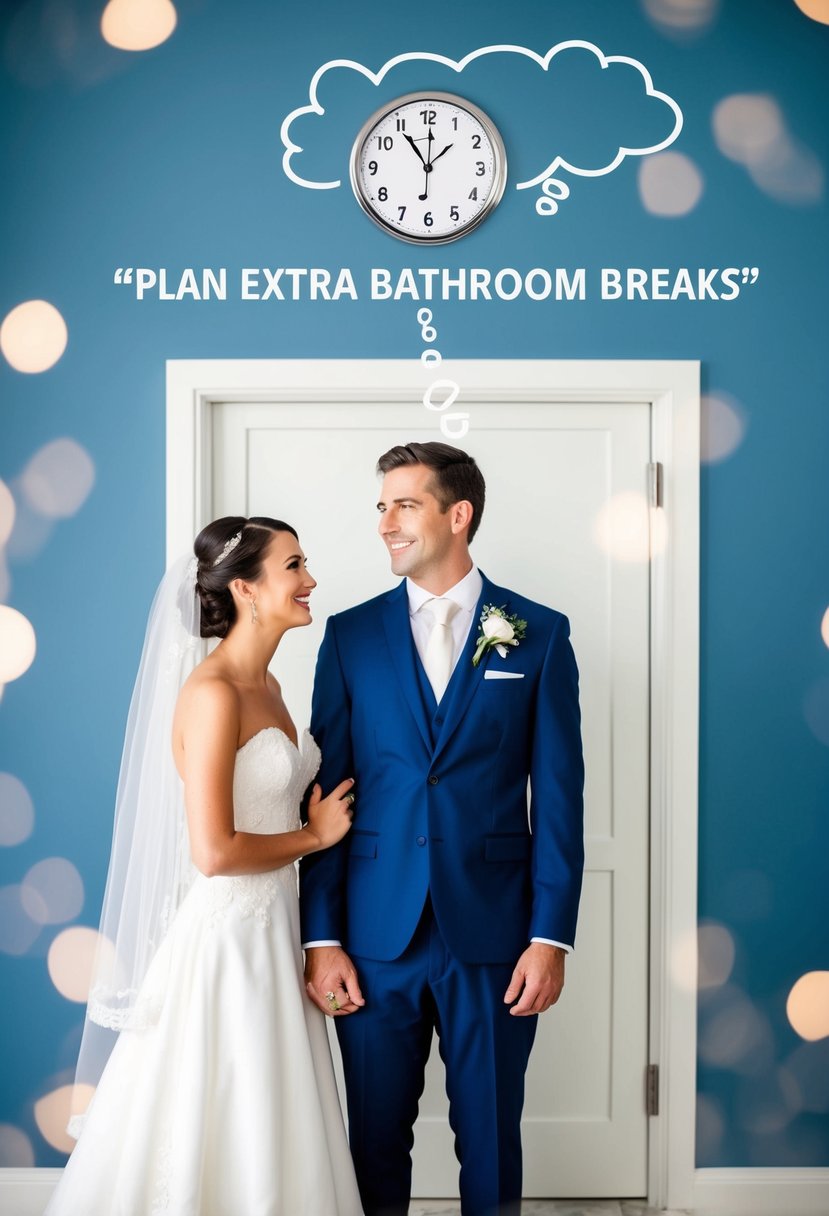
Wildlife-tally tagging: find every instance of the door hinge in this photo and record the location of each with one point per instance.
(652, 1089)
(655, 484)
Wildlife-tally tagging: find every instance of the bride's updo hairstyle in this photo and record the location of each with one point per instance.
(229, 548)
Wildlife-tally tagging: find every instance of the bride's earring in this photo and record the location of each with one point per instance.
(253, 611)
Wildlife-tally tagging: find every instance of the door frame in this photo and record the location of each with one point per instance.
(671, 388)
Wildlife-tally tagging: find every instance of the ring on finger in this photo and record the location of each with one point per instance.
(350, 799)
(333, 1003)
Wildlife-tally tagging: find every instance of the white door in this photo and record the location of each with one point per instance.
(566, 523)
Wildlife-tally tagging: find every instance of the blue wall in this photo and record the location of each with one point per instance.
(173, 158)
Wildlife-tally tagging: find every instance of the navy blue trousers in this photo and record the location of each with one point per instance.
(385, 1046)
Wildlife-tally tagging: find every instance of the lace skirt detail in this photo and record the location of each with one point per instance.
(249, 895)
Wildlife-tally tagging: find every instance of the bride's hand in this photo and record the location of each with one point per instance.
(330, 818)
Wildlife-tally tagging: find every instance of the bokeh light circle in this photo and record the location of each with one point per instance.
(628, 530)
(807, 1006)
(682, 16)
(138, 25)
(750, 129)
(18, 932)
(7, 512)
(53, 1110)
(733, 1033)
(16, 1149)
(816, 710)
(31, 529)
(824, 627)
(747, 126)
(684, 959)
(57, 480)
(52, 891)
(17, 812)
(71, 959)
(807, 1069)
(791, 173)
(818, 10)
(33, 336)
(722, 426)
(670, 184)
(18, 644)
(716, 955)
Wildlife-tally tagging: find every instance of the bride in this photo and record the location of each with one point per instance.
(218, 1097)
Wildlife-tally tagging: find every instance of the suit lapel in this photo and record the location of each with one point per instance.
(466, 679)
(401, 647)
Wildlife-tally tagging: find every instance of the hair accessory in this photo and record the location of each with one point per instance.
(229, 547)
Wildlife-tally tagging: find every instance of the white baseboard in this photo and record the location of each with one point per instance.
(26, 1192)
(761, 1192)
(734, 1192)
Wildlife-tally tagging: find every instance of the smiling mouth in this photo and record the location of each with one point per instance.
(397, 545)
(302, 599)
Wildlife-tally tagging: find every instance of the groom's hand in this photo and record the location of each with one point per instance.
(329, 969)
(538, 979)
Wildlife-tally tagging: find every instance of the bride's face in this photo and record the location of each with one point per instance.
(282, 590)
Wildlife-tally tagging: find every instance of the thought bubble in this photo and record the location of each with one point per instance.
(577, 111)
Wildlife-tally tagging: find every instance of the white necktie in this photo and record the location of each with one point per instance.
(440, 649)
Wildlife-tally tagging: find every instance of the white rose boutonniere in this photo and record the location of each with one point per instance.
(498, 631)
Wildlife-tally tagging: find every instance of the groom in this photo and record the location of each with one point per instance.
(447, 906)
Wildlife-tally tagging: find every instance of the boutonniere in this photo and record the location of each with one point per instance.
(498, 630)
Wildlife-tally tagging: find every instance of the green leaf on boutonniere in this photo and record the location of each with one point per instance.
(498, 630)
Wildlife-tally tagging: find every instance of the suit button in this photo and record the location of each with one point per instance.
(433, 780)
(421, 840)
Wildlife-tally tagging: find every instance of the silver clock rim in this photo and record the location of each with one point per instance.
(493, 134)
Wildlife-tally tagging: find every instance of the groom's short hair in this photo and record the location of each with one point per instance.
(456, 476)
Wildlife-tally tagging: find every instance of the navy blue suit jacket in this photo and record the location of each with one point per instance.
(442, 806)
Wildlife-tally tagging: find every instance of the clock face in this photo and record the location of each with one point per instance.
(428, 167)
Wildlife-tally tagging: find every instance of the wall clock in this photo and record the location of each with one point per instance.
(428, 167)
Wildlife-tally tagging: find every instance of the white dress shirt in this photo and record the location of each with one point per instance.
(465, 594)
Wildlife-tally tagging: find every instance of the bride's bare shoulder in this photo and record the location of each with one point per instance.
(207, 694)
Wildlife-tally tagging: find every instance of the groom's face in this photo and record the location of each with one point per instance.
(417, 534)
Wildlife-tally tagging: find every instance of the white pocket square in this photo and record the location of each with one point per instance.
(503, 675)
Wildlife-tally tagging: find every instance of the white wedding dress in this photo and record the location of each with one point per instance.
(226, 1105)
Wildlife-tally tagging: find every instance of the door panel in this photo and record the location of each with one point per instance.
(552, 471)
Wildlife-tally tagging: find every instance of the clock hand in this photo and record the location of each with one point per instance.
(417, 150)
(440, 154)
(427, 167)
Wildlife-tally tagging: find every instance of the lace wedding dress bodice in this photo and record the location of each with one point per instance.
(270, 777)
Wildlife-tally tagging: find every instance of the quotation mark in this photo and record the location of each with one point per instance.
(751, 275)
(123, 276)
